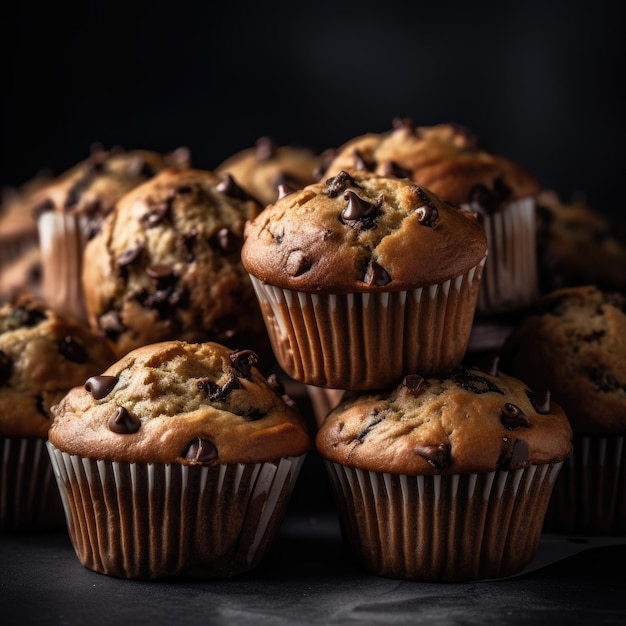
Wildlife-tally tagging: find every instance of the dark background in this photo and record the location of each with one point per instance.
(538, 81)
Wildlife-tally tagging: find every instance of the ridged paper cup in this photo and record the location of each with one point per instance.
(29, 497)
(363, 341)
(62, 241)
(172, 521)
(510, 279)
(590, 494)
(443, 528)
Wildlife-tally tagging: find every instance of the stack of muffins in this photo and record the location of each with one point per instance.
(369, 283)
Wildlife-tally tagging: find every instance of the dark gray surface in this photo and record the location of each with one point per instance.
(308, 578)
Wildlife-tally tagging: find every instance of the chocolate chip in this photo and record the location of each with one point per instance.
(215, 392)
(340, 183)
(415, 384)
(361, 436)
(110, 323)
(157, 214)
(540, 401)
(100, 386)
(391, 168)
(488, 364)
(490, 199)
(229, 187)
(473, 382)
(428, 213)
(376, 275)
(160, 272)
(275, 384)
(514, 454)
(123, 423)
(297, 263)
(200, 450)
(595, 335)
(437, 455)
(227, 241)
(242, 362)
(513, 417)
(403, 123)
(183, 190)
(359, 213)
(603, 380)
(361, 164)
(72, 350)
(28, 316)
(265, 149)
(189, 243)
(162, 300)
(6, 365)
(130, 255)
(252, 415)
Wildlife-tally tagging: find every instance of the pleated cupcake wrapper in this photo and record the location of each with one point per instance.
(510, 280)
(160, 521)
(29, 497)
(443, 528)
(62, 242)
(369, 340)
(590, 494)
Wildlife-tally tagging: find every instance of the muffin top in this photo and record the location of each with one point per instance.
(577, 245)
(42, 356)
(261, 169)
(361, 232)
(92, 187)
(473, 419)
(446, 158)
(178, 402)
(574, 342)
(166, 264)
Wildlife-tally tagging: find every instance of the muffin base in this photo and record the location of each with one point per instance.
(369, 340)
(160, 521)
(590, 494)
(29, 497)
(449, 528)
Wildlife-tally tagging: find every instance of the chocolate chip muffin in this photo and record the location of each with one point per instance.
(70, 209)
(262, 169)
(166, 265)
(449, 160)
(574, 341)
(177, 461)
(445, 478)
(578, 245)
(43, 354)
(363, 278)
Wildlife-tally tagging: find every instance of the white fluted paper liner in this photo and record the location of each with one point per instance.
(29, 497)
(62, 242)
(160, 521)
(510, 279)
(590, 494)
(369, 340)
(449, 528)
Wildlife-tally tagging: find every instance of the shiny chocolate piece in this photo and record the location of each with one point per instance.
(488, 364)
(242, 362)
(428, 213)
(101, 386)
(6, 365)
(437, 455)
(157, 214)
(513, 417)
(514, 454)
(110, 323)
(189, 241)
(72, 350)
(490, 200)
(391, 168)
(340, 184)
(376, 275)
(473, 382)
(415, 384)
(229, 187)
(201, 451)
(377, 420)
(123, 423)
(276, 385)
(130, 255)
(540, 401)
(160, 271)
(215, 392)
(603, 380)
(228, 242)
(359, 213)
(361, 163)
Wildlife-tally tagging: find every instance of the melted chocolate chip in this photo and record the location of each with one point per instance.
(361, 164)
(540, 401)
(340, 184)
(488, 364)
(130, 255)
(161, 272)
(72, 350)
(359, 213)
(111, 325)
(100, 386)
(514, 454)
(361, 436)
(415, 384)
(513, 417)
(157, 214)
(226, 241)
(163, 300)
(437, 455)
(473, 382)
(215, 392)
(123, 423)
(490, 200)
(229, 187)
(242, 362)
(376, 275)
(200, 450)
(6, 365)
(391, 168)
(428, 213)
